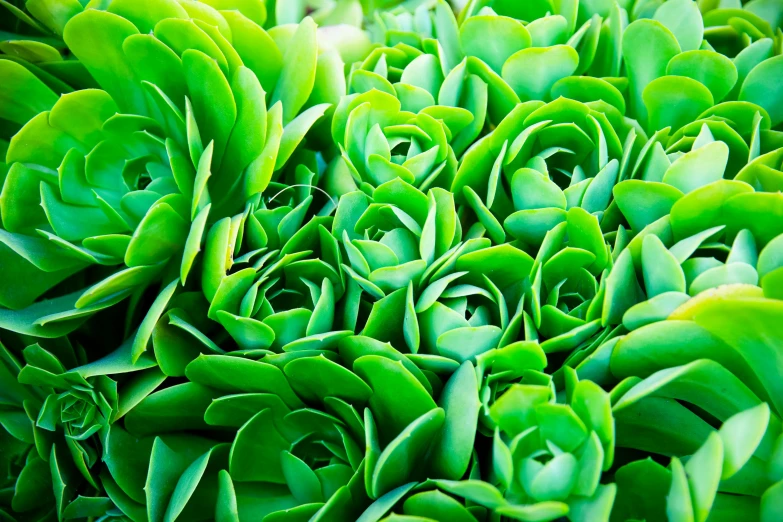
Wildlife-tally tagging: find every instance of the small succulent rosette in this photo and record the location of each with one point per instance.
(57, 410)
(269, 282)
(429, 285)
(548, 457)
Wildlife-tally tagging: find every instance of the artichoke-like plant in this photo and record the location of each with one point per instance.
(538, 439)
(129, 175)
(60, 410)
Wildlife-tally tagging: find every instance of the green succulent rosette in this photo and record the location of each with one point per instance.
(57, 410)
(277, 295)
(126, 179)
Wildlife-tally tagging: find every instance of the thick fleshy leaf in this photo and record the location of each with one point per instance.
(393, 386)
(647, 48)
(532, 72)
(403, 455)
(508, 36)
(673, 101)
(452, 449)
(298, 72)
(683, 19)
(760, 88)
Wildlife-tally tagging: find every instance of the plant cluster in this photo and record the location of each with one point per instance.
(403, 261)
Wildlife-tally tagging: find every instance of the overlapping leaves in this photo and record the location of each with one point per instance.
(353, 260)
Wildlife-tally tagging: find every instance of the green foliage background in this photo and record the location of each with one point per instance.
(340, 260)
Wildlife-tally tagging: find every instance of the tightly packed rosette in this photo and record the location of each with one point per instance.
(429, 286)
(538, 439)
(57, 410)
(127, 176)
(270, 279)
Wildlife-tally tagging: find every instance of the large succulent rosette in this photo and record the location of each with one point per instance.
(407, 261)
(125, 177)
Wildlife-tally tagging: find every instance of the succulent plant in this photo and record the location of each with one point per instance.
(408, 261)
